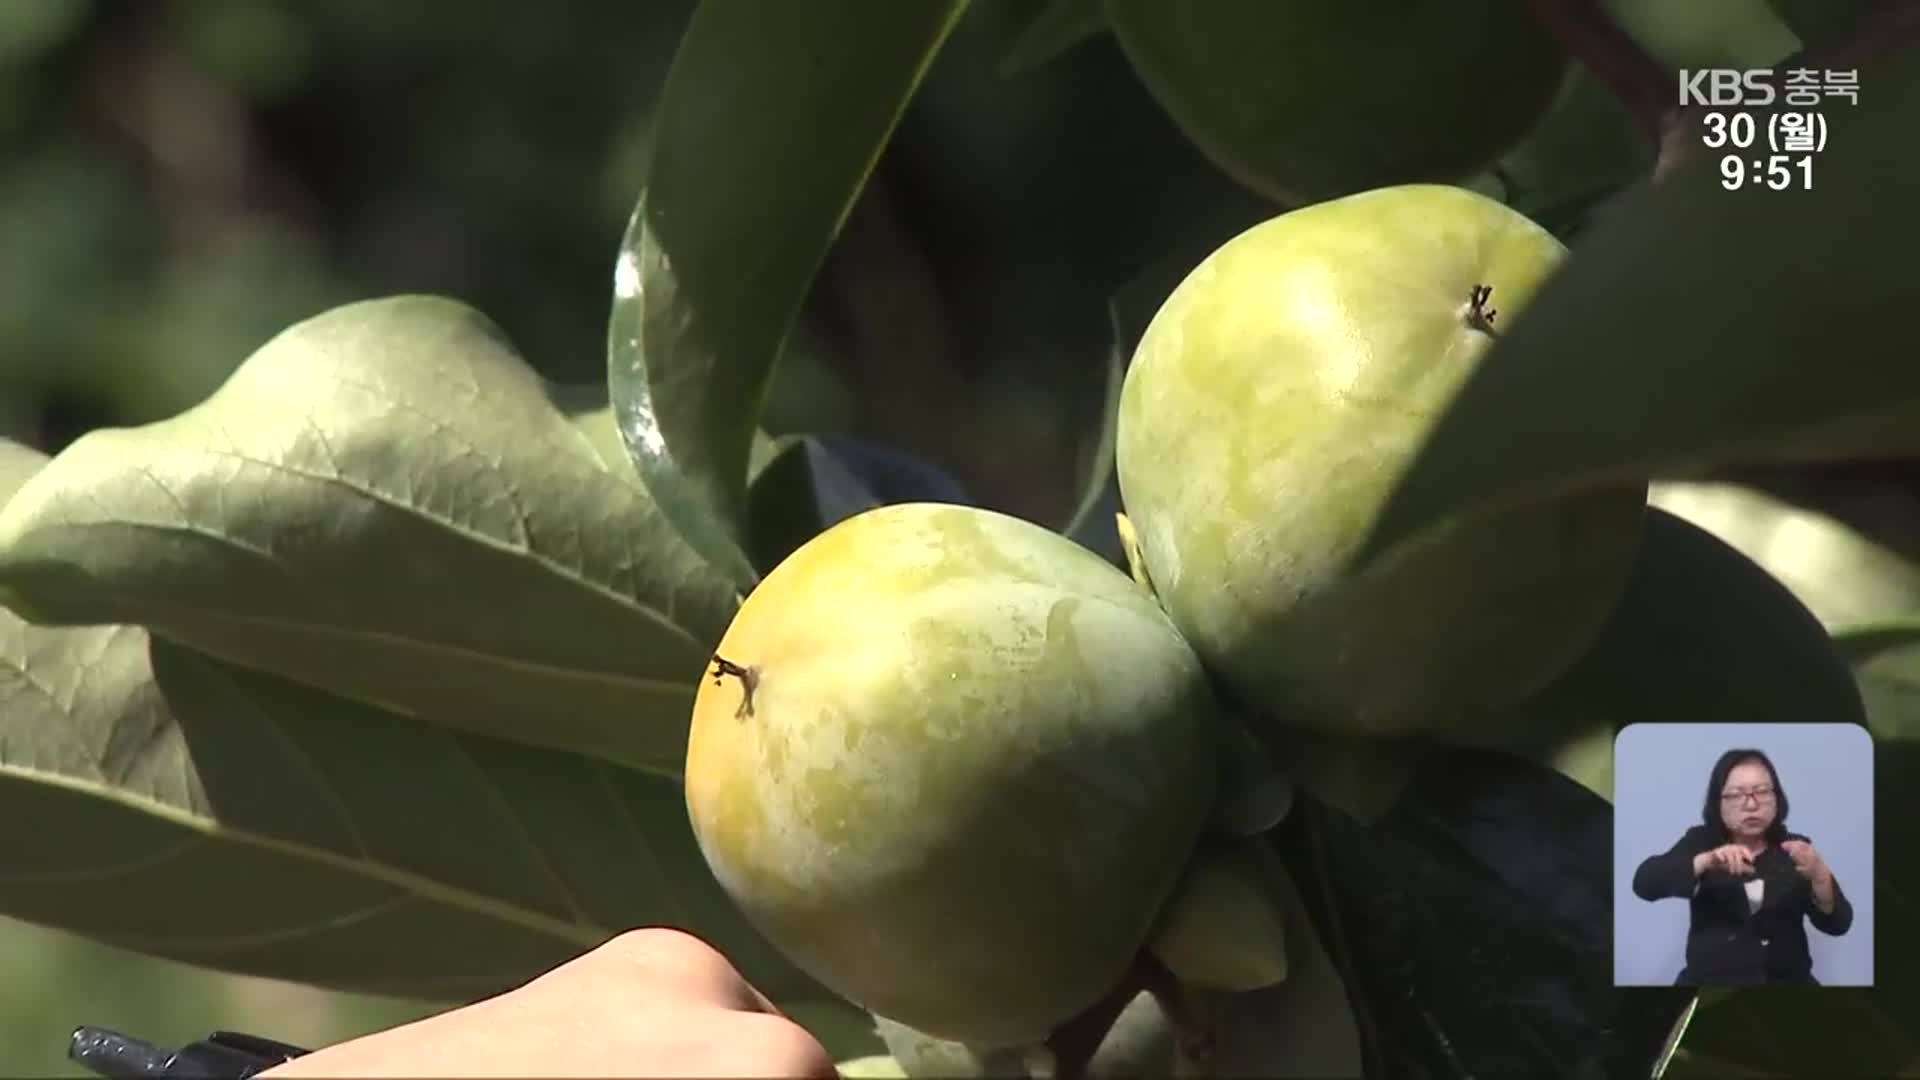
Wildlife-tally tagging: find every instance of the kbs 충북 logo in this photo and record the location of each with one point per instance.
(1756, 88)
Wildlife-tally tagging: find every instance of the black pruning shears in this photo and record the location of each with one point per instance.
(223, 1055)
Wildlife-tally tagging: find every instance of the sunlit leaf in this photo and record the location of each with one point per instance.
(772, 117)
(385, 501)
(1841, 575)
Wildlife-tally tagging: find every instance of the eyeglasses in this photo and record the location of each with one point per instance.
(1758, 795)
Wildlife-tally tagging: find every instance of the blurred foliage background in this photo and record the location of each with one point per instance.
(182, 179)
(179, 181)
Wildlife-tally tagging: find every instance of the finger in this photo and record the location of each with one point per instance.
(682, 968)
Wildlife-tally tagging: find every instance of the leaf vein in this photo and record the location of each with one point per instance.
(641, 845)
(577, 575)
(539, 858)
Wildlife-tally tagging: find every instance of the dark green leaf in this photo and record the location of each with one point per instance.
(191, 809)
(1060, 26)
(1695, 326)
(1587, 147)
(1473, 926)
(1307, 100)
(1701, 634)
(1867, 1032)
(384, 501)
(772, 117)
(1818, 23)
(1840, 574)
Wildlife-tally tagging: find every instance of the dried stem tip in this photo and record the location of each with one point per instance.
(1479, 316)
(749, 678)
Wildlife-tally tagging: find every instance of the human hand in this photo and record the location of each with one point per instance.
(649, 1003)
(1808, 861)
(1733, 858)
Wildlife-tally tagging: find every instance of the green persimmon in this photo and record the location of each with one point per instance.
(1273, 405)
(1303, 100)
(951, 763)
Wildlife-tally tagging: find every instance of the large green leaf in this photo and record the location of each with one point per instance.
(772, 117)
(1587, 148)
(1841, 575)
(1701, 634)
(386, 502)
(1311, 99)
(1695, 326)
(1861, 1032)
(184, 807)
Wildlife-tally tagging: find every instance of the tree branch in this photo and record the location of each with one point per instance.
(1642, 83)
(1877, 31)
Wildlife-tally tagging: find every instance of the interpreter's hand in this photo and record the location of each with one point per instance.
(650, 1003)
(1808, 861)
(1733, 858)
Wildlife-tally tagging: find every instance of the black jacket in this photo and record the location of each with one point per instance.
(1727, 943)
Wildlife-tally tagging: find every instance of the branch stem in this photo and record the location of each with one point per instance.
(1642, 83)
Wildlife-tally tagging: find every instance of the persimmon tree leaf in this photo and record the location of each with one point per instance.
(385, 501)
(771, 119)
